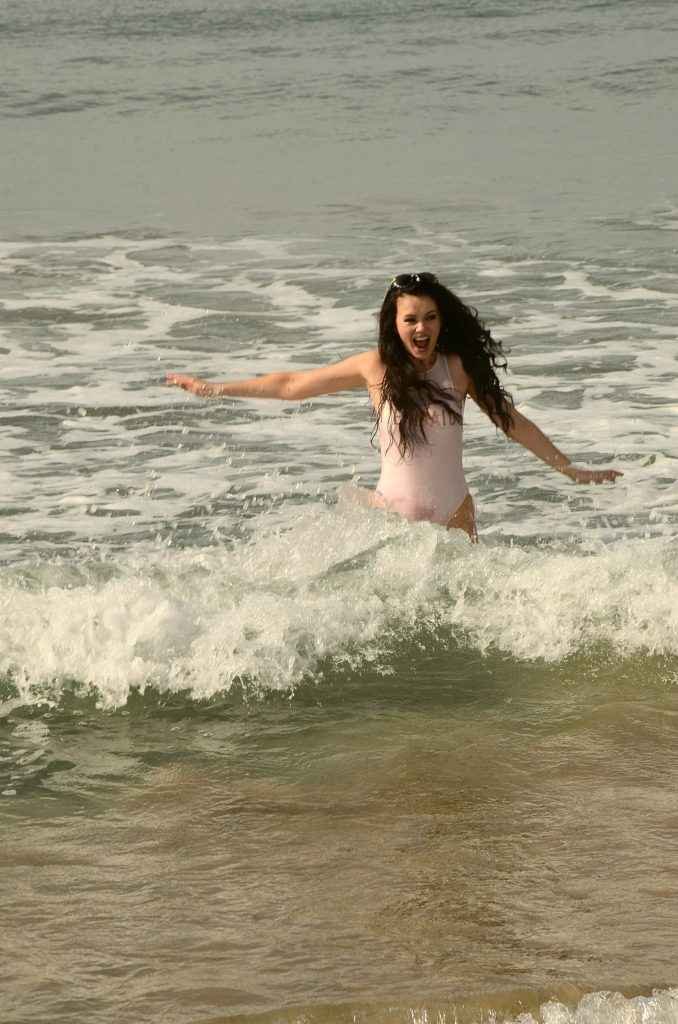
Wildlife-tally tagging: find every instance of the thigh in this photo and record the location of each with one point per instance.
(464, 518)
(350, 494)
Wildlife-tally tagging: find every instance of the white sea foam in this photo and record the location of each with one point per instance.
(304, 309)
(608, 1008)
(591, 371)
(580, 280)
(339, 587)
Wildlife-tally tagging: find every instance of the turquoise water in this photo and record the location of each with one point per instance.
(266, 753)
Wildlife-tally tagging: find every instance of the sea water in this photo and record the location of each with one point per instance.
(267, 753)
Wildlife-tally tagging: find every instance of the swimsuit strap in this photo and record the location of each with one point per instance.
(446, 369)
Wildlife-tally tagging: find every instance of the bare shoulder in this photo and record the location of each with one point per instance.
(372, 367)
(458, 375)
(359, 362)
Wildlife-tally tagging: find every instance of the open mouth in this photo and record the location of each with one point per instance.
(421, 344)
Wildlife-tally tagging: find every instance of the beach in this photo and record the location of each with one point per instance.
(268, 754)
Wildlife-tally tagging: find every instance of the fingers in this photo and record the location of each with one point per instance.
(192, 384)
(597, 476)
(179, 380)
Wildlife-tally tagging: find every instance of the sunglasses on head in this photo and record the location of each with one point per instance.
(412, 280)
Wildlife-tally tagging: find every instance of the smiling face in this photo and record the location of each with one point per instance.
(418, 326)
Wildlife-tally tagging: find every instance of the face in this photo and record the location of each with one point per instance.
(418, 326)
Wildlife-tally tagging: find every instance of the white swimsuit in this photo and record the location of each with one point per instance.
(428, 483)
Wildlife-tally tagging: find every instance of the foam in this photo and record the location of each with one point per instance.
(306, 310)
(608, 1008)
(336, 587)
(580, 280)
(591, 371)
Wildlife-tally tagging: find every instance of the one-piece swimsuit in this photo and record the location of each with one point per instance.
(428, 482)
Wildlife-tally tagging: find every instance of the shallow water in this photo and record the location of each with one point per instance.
(458, 829)
(266, 753)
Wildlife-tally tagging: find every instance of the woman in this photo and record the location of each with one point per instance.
(433, 351)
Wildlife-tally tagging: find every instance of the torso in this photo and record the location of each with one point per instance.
(428, 483)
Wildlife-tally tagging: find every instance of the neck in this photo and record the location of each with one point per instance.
(424, 367)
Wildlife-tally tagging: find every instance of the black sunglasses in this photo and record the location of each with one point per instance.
(412, 280)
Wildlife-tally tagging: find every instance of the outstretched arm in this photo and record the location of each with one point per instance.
(528, 434)
(295, 386)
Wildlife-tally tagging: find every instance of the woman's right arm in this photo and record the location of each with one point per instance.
(295, 386)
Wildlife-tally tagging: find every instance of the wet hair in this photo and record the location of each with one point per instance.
(461, 332)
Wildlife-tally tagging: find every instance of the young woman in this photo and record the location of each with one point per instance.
(433, 351)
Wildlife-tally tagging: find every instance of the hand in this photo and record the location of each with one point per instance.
(591, 476)
(192, 384)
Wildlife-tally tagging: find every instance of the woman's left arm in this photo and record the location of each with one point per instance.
(528, 434)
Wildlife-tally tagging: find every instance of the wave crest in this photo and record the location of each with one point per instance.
(340, 587)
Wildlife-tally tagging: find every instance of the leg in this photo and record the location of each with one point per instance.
(353, 495)
(465, 519)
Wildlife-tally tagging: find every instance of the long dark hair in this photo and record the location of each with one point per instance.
(461, 332)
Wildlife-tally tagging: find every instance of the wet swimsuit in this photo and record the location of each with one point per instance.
(428, 483)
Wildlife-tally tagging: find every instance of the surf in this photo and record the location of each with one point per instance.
(340, 588)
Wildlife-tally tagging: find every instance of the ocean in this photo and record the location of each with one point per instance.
(268, 755)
